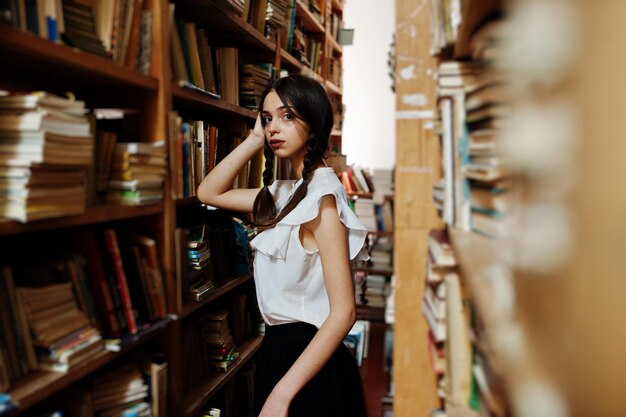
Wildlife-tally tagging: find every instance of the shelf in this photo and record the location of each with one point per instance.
(224, 27)
(332, 88)
(199, 101)
(39, 385)
(196, 399)
(365, 312)
(93, 215)
(381, 233)
(475, 12)
(289, 61)
(361, 195)
(337, 49)
(309, 21)
(337, 6)
(476, 254)
(216, 293)
(376, 271)
(30, 54)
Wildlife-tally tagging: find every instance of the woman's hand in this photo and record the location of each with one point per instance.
(258, 135)
(275, 406)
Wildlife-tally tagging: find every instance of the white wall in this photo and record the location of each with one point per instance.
(369, 128)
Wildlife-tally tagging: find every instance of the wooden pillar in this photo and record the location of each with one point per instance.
(417, 169)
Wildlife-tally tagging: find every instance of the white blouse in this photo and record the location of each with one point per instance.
(289, 278)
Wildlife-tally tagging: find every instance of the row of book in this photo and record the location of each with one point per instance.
(475, 191)
(211, 338)
(357, 340)
(69, 306)
(135, 387)
(208, 255)
(236, 398)
(196, 148)
(467, 382)
(46, 148)
(133, 172)
(51, 165)
(196, 64)
(116, 29)
(375, 215)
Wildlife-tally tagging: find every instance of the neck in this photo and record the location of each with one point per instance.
(297, 166)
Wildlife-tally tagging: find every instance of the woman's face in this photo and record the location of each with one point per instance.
(286, 134)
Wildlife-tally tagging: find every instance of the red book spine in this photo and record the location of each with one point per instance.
(120, 276)
(103, 298)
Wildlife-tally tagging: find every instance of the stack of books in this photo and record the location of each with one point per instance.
(252, 81)
(62, 334)
(201, 280)
(220, 342)
(46, 145)
(137, 173)
(121, 392)
(278, 17)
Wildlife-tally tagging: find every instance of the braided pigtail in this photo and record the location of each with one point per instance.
(264, 209)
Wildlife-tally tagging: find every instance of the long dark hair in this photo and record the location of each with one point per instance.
(308, 101)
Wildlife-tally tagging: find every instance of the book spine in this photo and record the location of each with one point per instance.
(25, 330)
(120, 276)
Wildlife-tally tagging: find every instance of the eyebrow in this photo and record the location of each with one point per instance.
(279, 108)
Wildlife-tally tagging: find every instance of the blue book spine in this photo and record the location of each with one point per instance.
(291, 25)
(53, 33)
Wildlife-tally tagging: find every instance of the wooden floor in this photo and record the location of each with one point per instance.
(375, 381)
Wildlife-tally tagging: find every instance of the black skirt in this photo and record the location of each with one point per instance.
(336, 390)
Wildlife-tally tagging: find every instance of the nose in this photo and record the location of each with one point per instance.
(273, 126)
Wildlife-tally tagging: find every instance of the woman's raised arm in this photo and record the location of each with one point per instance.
(215, 189)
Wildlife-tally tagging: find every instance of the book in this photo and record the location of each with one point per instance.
(115, 258)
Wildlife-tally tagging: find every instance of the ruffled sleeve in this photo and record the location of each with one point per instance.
(274, 242)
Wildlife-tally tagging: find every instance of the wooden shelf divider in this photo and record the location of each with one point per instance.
(308, 20)
(26, 49)
(337, 6)
(288, 60)
(332, 88)
(93, 215)
(216, 293)
(199, 100)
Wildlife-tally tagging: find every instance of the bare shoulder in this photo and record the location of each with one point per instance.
(327, 217)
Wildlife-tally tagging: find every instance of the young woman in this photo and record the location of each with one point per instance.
(308, 235)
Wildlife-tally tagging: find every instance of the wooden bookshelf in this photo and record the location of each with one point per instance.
(93, 215)
(196, 399)
(39, 385)
(217, 292)
(38, 64)
(308, 19)
(31, 54)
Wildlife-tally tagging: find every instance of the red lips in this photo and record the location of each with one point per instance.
(275, 143)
